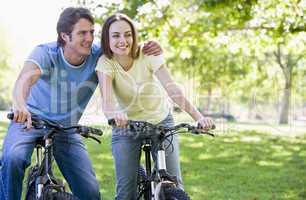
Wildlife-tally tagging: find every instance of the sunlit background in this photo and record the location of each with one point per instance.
(224, 54)
(29, 23)
(242, 62)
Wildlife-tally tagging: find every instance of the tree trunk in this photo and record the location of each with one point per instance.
(285, 105)
(207, 106)
(287, 71)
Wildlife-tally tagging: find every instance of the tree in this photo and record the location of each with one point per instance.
(284, 24)
(5, 85)
(222, 44)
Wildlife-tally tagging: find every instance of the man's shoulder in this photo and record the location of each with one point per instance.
(96, 49)
(47, 48)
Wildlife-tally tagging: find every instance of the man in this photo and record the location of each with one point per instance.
(56, 83)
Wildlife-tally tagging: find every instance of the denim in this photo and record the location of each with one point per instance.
(126, 148)
(70, 155)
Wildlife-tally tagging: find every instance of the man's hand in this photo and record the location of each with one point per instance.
(22, 115)
(152, 48)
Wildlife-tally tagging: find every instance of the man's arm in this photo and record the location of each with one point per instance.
(29, 74)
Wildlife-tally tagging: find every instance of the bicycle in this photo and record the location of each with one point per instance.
(157, 183)
(41, 184)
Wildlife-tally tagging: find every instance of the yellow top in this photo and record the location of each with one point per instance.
(138, 91)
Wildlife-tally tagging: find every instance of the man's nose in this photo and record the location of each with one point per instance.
(89, 36)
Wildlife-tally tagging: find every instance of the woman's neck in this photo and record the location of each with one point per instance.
(126, 62)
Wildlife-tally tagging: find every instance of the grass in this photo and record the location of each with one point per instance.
(238, 165)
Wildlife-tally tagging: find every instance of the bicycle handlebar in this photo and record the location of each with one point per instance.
(84, 131)
(144, 126)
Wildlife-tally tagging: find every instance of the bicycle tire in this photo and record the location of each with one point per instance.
(52, 195)
(141, 183)
(142, 176)
(172, 193)
(30, 183)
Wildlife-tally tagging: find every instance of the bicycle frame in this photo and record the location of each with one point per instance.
(159, 175)
(40, 177)
(44, 159)
(159, 183)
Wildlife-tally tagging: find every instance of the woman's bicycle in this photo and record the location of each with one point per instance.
(157, 183)
(41, 184)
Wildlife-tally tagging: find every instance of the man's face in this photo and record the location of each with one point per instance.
(80, 40)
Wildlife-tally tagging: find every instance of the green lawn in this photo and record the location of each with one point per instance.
(238, 165)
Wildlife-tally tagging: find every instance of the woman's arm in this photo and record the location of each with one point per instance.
(176, 94)
(108, 100)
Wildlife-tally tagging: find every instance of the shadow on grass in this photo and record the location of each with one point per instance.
(244, 165)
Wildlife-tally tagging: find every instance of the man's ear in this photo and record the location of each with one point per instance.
(65, 37)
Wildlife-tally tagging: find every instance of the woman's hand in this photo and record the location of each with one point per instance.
(121, 120)
(205, 123)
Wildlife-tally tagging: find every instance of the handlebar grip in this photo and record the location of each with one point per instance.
(10, 116)
(111, 122)
(212, 128)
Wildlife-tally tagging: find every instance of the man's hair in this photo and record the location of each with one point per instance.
(105, 35)
(68, 18)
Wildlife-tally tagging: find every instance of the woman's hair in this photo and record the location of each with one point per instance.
(68, 18)
(105, 35)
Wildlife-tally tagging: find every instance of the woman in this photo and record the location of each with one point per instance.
(134, 86)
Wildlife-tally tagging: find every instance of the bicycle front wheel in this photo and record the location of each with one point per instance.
(51, 195)
(30, 183)
(172, 193)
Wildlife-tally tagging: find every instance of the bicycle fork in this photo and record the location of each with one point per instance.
(161, 169)
(38, 186)
(39, 182)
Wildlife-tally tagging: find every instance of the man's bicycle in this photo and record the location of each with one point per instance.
(41, 184)
(157, 183)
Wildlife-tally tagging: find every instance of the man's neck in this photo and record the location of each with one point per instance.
(72, 58)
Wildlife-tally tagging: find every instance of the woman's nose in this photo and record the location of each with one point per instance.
(122, 39)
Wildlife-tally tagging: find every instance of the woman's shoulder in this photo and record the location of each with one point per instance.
(105, 60)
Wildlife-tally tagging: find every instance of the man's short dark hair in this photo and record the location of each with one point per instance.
(68, 18)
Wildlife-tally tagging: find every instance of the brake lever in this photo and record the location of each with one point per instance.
(200, 131)
(94, 138)
(96, 131)
(37, 124)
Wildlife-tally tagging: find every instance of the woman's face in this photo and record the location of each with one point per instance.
(120, 38)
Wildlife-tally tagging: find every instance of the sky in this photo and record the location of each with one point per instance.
(29, 23)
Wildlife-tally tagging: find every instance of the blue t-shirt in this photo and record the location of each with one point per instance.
(63, 90)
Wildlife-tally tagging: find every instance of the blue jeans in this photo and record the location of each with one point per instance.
(69, 153)
(126, 152)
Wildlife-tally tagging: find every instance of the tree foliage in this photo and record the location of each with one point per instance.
(238, 47)
(5, 85)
